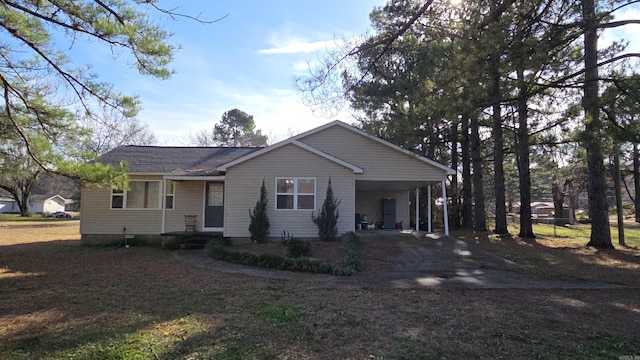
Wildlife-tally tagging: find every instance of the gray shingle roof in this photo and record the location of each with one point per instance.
(174, 160)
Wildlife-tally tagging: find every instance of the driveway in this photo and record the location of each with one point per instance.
(424, 261)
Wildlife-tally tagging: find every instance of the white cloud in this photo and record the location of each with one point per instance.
(627, 32)
(296, 47)
(279, 113)
(292, 40)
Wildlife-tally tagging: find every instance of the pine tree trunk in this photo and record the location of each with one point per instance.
(498, 149)
(480, 220)
(454, 213)
(558, 201)
(524, 174)
(467, 192)
(596, 184)
(615, 174)
(636, 181)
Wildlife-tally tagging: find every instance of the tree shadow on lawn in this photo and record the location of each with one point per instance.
(562, 258)
(58, 297)
(60, 300)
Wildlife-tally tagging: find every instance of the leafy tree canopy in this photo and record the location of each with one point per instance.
(44, 92)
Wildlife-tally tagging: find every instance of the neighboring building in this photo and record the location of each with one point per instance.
(218, 186)
(46, 203)
(8, 205)
(544, 212)
(37, 204)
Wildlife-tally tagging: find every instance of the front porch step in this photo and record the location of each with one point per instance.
(189, 239)
(197, 240)
(194, 242)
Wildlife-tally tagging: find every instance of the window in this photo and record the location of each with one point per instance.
(117, 199)
(141, 195)
(170, 190)
(295, 193)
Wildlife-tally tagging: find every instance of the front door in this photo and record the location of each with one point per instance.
(214, 205)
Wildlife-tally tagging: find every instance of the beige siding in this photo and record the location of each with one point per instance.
(380, 162)
(243, 189)
(189, 200)
(368, 203)
(97, 217)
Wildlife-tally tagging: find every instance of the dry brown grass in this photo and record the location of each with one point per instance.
(61, 300)
(21, 233)
(564, 257)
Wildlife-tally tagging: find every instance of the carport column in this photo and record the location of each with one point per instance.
(429, 209)
(444, 208)
(417, 209)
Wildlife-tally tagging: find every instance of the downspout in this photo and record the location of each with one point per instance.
(164, 204)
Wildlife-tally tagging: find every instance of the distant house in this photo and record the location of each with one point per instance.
(46, 203)
(544, 212)
(8, 205)
(169, 187)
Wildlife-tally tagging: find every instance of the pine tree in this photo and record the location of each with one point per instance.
(259, 225)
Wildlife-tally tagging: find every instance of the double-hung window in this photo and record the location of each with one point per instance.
(295, 193)
(169, 194)
(141, 195)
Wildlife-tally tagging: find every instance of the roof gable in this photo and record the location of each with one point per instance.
(296, 140)
(353, 129)
(297, 143)
(44, 197)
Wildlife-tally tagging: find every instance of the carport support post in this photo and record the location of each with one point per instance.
(444, 208)
(417, 208)
(429, 209)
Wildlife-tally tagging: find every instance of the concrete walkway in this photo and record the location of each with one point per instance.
(437, 261)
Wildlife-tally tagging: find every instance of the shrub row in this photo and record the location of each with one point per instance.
(348, 267)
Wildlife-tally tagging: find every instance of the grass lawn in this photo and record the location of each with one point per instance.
(59, 300)
(16, 219)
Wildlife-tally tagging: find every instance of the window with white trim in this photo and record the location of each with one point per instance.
(295, 193)
(141, 195)
(170, 190)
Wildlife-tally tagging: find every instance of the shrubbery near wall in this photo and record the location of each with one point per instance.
(350, 264)
(296, 247)
(327, 219)
(259, 222)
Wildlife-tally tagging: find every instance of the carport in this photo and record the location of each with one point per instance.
(372, 197)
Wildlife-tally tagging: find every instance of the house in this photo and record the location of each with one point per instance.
(217, 187)
(8, 205)
(543, 212)
(46, 203)
(37, 204)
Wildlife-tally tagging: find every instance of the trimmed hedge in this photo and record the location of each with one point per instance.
(350, 264)
(296, 247)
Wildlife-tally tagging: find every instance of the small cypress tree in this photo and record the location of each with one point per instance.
(327, 219)
(259, 225)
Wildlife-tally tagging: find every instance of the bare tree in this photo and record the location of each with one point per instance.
(112, 129)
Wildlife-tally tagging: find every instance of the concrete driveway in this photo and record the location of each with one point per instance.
(424, 261)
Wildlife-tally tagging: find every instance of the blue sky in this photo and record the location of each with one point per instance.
(248, 60)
